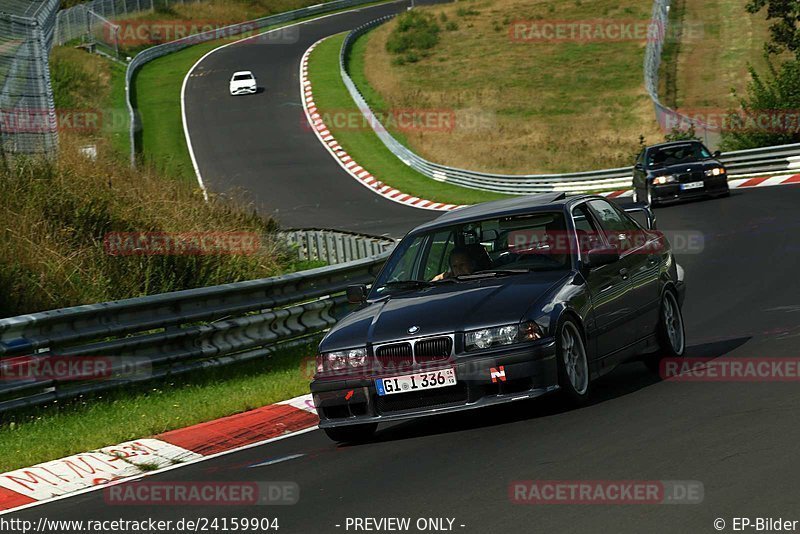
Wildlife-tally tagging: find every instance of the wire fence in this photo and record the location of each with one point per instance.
(93, 22)
(27, 111)
(652, 65)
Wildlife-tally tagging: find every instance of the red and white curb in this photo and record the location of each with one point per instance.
(138, 458)
(734, 183)
(363, 176)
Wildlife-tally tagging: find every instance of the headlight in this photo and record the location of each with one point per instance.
(343, 359)
(661, 180)
(502, 335)
(716, 171)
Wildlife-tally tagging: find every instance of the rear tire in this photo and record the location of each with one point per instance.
(352, 433)
(671, 334)
(573, 364)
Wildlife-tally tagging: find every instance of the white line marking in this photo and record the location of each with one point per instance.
(278, 460)
(188, 74)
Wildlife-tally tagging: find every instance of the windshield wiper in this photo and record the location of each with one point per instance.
(415, 283)
(492, 272)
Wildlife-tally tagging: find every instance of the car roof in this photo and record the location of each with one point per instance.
(242, 72)
(503, 208)
(673, 143)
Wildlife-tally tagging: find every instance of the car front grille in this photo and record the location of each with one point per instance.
(395, 356)
(433, 349)
(403, 355)
(686, 177)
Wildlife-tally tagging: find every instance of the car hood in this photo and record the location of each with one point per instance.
(684, 168)
(444, 308)
(242, 83)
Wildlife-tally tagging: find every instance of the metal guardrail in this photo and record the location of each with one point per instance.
(739, 163)
(145, 338)
(334, 246)
(227, 31)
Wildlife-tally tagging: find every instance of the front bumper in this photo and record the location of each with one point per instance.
(716, 185)
(244, 91)
(530, 372)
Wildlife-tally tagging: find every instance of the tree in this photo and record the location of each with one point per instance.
(772, 100)
(785, 30)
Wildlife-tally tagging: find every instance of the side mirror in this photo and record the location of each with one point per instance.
(601, 256)
(356, 294)
(717, 153)
(638, 166)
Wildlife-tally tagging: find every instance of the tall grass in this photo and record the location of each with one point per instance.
(54, 215)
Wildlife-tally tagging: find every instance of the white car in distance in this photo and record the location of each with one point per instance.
(243, 83)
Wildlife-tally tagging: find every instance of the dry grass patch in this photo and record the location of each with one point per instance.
(521, 107)
(713, 56)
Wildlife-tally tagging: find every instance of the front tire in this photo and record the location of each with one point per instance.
(671, 333)
(573, 365)
(352, 433)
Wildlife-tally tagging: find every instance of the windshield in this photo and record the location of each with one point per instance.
(492, 247)
(672, 155)
(241, 77)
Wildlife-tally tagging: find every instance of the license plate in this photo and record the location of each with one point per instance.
(407, 383)
(691, 185)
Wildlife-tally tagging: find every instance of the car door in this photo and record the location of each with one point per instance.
(609, 289)
(640, 261)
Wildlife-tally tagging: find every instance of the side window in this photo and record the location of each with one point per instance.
(438, 254)
(611, 218)
(585, 229)
(621, 231)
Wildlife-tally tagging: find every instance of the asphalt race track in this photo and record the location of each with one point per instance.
(262, 144)
(738, 439)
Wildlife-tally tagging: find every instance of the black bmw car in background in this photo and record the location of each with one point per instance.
(499, 302)
(678, 170)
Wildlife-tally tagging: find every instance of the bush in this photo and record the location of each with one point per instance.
(467, 12)
(451, 26)
(415, 30)
(766, 97)
(681, 134)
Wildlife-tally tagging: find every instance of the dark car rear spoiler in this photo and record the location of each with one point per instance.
(642, 207)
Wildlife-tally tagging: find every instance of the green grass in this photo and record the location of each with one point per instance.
(157, 97)
(89, 82)
(363, 145)
(47, 433)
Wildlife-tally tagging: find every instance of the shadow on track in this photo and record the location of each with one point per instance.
(626, 379)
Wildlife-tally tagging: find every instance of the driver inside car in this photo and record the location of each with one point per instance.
(465, 260)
